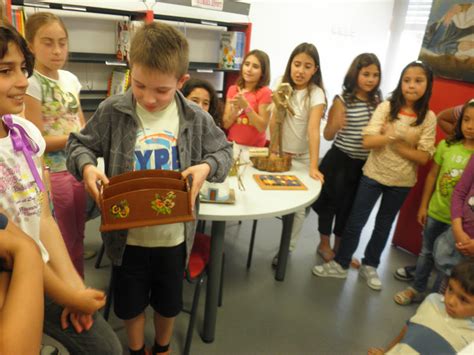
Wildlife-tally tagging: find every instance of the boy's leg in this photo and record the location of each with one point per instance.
(367, 194)
(167, 291)
(131, 292)
(135, 328)
(163, 331)
(425, 261)
(100, 339)
(392, 201)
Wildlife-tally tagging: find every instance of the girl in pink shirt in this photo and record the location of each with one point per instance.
(246, 113)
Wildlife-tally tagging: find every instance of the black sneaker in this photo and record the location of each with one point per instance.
(406, 273)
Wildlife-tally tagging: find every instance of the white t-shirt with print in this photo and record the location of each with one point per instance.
(19, 194)
(156, 148)
(295, 128)
(59, 109)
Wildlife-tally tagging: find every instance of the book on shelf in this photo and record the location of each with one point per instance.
(118, 82)
(125, 31)
(232, 46)
(18, 20)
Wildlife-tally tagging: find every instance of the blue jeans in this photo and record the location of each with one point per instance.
(100, 339)
(368, 192)
(445, 254)
(425, 262)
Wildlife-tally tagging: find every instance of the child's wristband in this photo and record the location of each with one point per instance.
(3, 221)
(248, 109)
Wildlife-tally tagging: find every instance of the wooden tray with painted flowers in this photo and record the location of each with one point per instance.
(145, 198)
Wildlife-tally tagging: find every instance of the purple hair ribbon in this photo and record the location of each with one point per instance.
(21, 141)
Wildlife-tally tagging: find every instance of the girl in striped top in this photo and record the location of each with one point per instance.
(400, 136)
(342, 165)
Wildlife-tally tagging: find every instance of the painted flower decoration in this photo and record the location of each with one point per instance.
(163, 205)
(120, 210)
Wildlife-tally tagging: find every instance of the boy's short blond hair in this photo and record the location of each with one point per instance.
(158, 46)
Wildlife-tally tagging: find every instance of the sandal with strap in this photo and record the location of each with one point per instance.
(405, 297)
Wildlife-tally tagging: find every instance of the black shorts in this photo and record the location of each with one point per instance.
(149, 276)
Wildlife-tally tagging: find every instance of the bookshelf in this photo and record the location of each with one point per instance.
(92, 32)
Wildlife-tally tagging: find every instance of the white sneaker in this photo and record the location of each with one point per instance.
(330, 269)
(370, 274)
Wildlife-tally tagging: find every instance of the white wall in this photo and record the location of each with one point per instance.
(339, 29)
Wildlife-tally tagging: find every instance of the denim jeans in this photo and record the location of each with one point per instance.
(368, 192)
(425, 262)
(445, 254)
(100, 339)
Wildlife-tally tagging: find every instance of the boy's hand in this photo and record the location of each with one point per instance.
(421, 216)
(91, 176)
(199, 173)
(87, 301)
(466, 248)
(375, 351)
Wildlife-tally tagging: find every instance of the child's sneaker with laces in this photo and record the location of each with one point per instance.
(330, 269)
(370, 274)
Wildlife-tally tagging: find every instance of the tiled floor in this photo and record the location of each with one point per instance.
(302, 315)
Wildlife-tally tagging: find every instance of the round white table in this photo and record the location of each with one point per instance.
(252, 204)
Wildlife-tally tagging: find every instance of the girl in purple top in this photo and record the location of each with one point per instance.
(457, 243)
(462, 211)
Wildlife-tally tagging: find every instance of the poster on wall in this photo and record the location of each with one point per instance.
(448, 44)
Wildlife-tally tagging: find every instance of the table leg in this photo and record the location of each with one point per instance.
(284, 246)
(213, 280)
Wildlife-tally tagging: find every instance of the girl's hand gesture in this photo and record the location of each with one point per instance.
(240, 100)
(316, 174)
(234, 108)
(408, 134)
(388, 129)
